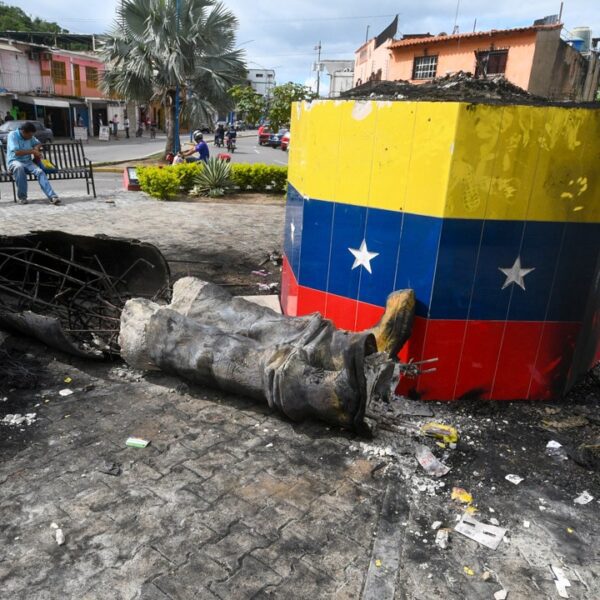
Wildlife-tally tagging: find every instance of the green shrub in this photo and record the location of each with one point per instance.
(213, 179)
(163, 183)
(259, 178)
(187, 173)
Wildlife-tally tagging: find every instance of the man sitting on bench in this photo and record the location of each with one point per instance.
(22, 148)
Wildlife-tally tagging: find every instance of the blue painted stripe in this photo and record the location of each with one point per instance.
(454, 265)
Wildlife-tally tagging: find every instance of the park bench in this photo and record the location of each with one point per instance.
(68, 158)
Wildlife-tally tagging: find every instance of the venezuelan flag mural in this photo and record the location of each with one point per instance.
(491, 213)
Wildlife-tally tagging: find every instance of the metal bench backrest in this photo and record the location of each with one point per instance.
(69, 155)
(63, 155)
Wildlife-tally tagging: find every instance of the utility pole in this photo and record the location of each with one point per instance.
(176, 142)
(318, 49)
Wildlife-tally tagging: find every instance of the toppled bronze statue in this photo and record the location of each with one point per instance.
(302, 366)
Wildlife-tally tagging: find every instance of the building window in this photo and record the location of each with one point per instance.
(91, 77)
(490, 62)
(260, 75)
(424, 67)
(59, 72)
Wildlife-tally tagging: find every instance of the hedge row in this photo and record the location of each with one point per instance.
(165, 183)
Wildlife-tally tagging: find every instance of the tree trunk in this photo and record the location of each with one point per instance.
(170, 121)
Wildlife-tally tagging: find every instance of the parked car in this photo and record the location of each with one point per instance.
(275, 138)
(285, 141)
(263, 136)
(43, 134)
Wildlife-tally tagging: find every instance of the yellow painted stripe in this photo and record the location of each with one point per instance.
(371, 154)
(526, 163)
(448, 159)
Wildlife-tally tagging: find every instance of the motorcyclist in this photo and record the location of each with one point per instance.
(231, 137)
(219, 135)
(201, 147)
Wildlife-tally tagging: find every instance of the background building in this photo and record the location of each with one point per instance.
(262, 81)
(536, 58)
(372, 59)
(51, 85)
(341, 76)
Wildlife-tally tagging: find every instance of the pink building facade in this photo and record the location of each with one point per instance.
(60, 88)
(372, 62)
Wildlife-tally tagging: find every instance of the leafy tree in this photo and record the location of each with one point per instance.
(12, 18)
(248, 102)
(150, 51)
(281, 104)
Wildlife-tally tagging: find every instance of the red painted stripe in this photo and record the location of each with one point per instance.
(500, 360)
(554, 360)
(497, 360)
(289, 290)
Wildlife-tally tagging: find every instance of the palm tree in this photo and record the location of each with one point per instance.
(157, 45)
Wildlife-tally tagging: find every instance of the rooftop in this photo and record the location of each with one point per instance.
(415, 41)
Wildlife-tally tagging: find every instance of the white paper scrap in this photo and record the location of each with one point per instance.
(584, 498)
(514, 479)
(489, 536)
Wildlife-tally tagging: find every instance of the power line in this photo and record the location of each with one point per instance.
(286, 20)
(295, 20)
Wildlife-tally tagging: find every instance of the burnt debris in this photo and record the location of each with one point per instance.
(68, 291)
(457, 87)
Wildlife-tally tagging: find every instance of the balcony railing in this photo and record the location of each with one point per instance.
(24, 83)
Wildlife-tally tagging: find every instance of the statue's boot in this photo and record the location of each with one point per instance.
(395, 326)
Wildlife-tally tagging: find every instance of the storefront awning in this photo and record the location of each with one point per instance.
(44, 102)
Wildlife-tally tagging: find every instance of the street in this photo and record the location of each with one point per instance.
(123, 149)
(248, 151)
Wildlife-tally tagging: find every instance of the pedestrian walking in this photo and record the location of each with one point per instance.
(22, 149)
(126, 126)
(153, 129)
(115, 126)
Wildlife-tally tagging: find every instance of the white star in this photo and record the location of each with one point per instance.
(515, 274)
(293, 230)
(363, 257)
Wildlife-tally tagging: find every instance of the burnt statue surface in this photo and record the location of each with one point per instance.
(301, 366)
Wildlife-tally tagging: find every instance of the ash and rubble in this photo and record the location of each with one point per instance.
(82, 432)
(458, 87)
(68, 291)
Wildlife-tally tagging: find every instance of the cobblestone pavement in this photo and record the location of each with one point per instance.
(227, 501)
(232, 502)
(249, 229)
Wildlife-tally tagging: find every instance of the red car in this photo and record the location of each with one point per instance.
(264, 134)
(285, 141)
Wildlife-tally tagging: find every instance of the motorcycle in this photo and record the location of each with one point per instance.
(231, 143)
(218, 141)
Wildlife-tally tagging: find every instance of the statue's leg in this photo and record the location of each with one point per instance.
(281, 374)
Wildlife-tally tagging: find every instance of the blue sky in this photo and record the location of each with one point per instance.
(282, 34)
